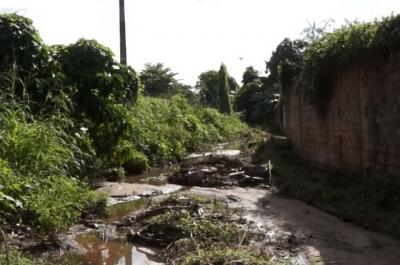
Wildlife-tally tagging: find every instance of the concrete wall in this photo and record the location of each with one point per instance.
(361, 129)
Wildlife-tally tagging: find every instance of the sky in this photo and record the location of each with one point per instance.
(192, 36)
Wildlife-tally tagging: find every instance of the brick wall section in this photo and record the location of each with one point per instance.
(361, 129)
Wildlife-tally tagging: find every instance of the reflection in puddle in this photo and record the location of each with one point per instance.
(119, 210)
(230, 153)
(155, 176)
(114, 252)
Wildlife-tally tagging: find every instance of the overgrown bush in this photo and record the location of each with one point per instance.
(72, 112)
(210, 94)
(14, 257)
(200, 238)
(37, 163)
(98, 83)
(165, 130)
(23, 51)
(223, 91)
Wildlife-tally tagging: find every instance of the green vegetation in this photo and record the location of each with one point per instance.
(16, 258)
(21, 45)
(313, 65)
(257, 102)
(339, 50)
(72, 113)
(164, 130)
(250, 75)
(223, 91)
(160, 81)
(372, 203)
(203, 232)
(208, 86)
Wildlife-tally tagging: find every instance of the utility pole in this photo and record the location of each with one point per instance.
(122, 32)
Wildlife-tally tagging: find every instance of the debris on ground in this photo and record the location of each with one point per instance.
(196, 230)
(218, 171)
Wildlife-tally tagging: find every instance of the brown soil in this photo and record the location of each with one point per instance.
(316, 237)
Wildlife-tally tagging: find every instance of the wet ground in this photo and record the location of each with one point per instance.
(312, 236)
(296, 233)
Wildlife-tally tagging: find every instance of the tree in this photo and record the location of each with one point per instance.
(159, 81)
(223, 91)
(208, 88)
(285, 62)
(233, 85)
(249, 75)
(314, 32)
(207, 85)
(243, 97)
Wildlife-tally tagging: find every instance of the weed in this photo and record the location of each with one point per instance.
(202, 232)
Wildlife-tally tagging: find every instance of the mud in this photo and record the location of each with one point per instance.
(294, 232)
(303, 234)
(220, 171)
(95, 250)
(122, 192)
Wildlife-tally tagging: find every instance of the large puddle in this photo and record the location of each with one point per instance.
(155, 177)
(108, 246)
(111, 248)
(111, 252)
(119, 210)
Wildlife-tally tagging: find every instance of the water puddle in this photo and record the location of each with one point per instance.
(229, 153)
(119, 210)
(155, 177)
(95, 251)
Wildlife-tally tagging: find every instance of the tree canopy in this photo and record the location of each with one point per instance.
(250, 75)
(223, 91)
(159, 81)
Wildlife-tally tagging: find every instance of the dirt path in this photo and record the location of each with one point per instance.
(314, 236)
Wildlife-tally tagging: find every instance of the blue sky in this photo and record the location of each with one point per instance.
(192, 36)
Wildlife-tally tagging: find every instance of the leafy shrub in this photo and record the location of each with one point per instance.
(15, 257)
(37, 165)
(131, 159)
(91, 67)
(223, 91)
(208, 87)
(164, 130)
(97, 84)
(68, 112)
(22, 50)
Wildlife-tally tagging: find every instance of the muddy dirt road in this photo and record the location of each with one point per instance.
(316, 237)
(296, 233)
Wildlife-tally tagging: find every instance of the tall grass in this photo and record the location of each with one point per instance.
(39, 162)
(165, 130)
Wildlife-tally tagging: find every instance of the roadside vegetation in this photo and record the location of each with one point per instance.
(310, 64)
(72, 114)
(196, 230)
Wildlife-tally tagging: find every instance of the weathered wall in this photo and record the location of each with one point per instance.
(361, 129)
